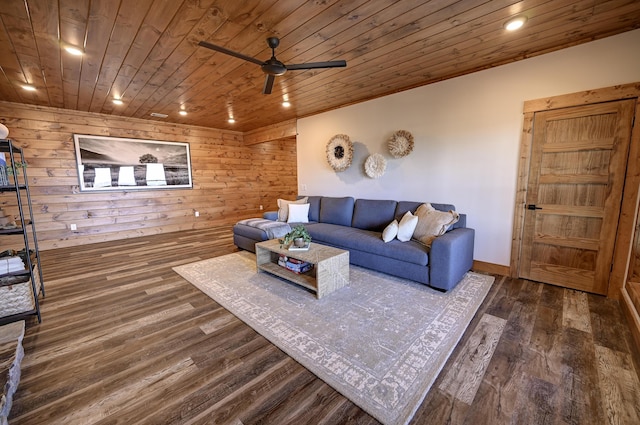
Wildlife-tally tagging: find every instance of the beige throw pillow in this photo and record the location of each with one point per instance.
(283, 207)
(407, 226)
(389, 233)
(432, 223)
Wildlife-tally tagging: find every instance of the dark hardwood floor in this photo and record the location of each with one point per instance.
(125, 340)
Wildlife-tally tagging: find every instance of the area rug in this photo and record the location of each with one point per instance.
(380, 342)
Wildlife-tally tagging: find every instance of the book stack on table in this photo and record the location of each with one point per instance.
(293, 264)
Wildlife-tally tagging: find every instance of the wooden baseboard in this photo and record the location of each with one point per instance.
(631, 315)
(481, 266)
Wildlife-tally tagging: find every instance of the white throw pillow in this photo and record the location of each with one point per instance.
(298, 213)
(283, 207)
(432, 223)
(390, 232)
(407, 226)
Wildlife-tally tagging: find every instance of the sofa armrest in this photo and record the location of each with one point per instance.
(451, 256)
(270, 215)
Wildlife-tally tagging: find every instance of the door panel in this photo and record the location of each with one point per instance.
(578, 164)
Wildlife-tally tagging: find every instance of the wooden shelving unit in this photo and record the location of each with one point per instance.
(20, 290)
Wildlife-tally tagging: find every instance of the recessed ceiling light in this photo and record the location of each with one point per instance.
(286, 104)
(515, 23)
(73, 50)
(231, 121)
(183, 112)
(117, 102)
(28, 87)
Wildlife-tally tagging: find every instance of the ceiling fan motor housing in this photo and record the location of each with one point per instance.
(273, 67)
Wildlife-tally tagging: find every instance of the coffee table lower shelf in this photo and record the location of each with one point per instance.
(303, 279)
(330, 266)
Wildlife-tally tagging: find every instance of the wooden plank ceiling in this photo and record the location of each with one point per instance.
(146, 52)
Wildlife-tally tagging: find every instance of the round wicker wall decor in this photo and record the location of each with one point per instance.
(375, 165)
(400, 144)
(340, 152)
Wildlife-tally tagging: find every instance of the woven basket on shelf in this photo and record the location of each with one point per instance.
(18, 298)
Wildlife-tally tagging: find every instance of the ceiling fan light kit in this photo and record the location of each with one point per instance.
(273, 67)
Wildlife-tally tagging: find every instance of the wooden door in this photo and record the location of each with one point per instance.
(633, 271)
(576, 178)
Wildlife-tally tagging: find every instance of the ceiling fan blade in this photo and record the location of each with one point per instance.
(315, 65)
(230, 52)
(268, 84)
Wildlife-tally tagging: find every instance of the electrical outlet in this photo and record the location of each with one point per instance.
(197, 213)
(261, 208)
(304, 187)
(73, 227)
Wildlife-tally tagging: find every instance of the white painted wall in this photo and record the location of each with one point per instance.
(466, 132)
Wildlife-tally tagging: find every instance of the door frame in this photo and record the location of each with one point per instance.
(632, 178)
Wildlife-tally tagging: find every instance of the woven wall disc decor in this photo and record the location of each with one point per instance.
(375, 165)
(400, 144)
(340, 152)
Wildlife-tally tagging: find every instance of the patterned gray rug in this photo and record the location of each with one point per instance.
(381, 341)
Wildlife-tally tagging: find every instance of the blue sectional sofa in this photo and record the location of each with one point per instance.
(357, 225)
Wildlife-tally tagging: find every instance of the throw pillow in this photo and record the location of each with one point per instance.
(283, 207)
(406, 227)
(432, 223)
(298, 213)
(390, 232)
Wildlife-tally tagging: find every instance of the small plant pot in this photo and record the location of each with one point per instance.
(298, 242)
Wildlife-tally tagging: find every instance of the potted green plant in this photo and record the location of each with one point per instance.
(11, 171)
(299, 236)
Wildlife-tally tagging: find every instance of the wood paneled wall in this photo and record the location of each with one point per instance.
(283, 130)
(230, 179)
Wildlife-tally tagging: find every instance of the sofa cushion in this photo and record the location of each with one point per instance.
(370, 214)
(407, 226)
(404, 206)
(298, 213)
(368, 241)
(283, 207)
(260, 229)
(432, 223)
(270, 215)
(314, 207)
(391, 231)
(336, 210)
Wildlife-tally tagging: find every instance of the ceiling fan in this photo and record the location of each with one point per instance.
(273, 67)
